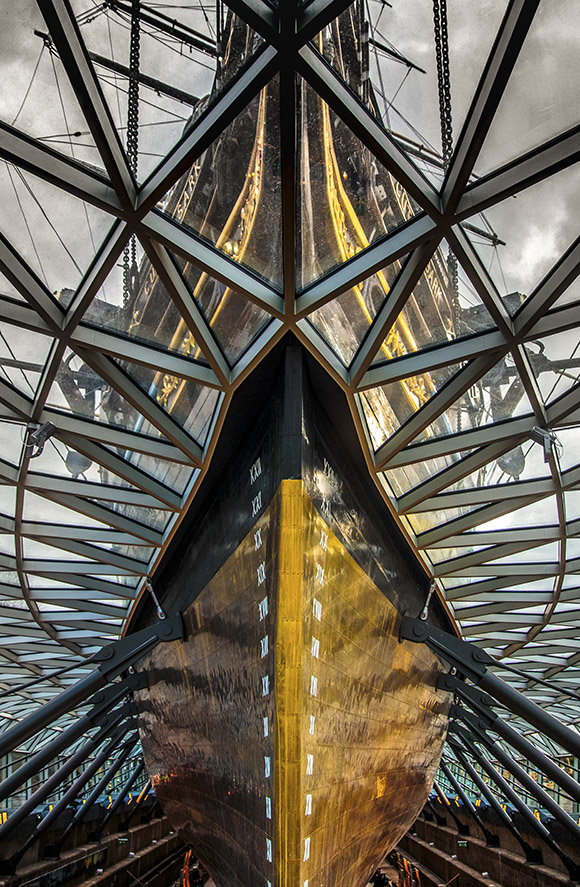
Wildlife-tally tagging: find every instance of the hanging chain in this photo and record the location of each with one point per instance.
(440, 26)
(443, 77)
(130, 253)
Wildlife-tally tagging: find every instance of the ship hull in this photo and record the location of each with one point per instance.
(292, 738)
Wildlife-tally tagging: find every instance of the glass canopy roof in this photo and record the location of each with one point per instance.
(444, 302)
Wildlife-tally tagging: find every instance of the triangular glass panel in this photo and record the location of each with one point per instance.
(345, 321)
(40, 101)
(423, 521)
(542, 98)
(388, 407)
(555, 362)
(150, 517)
(386, 54)
(499, 395)
(231, 196)
(233, 319)
(38, 508)
(443, 307)
(134, 302)
(173, 474)
(189, 404)
(56, 233)
(187, 55)
(569, 447)
(23, 355)
(79, 390)
(525, 241)
(537, 514)
(569, 296)
(9, 291)
(346, 199)
(519, 463)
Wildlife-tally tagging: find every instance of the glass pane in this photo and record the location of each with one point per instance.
(403, 88)
(542, 96)
(444, 306)
(346, 199)
(56, 234)
(555, 362)
(388, 407)
(23, 354)
(40, 100)
(135, 303)
(78, 389)
(234, 320)
(345, 321)
(537, 227)
(190, 404)
(187, 54)
(232, 195)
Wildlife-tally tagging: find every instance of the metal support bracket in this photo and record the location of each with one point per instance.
(474, 663)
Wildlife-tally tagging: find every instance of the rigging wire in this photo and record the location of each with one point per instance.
(41, 266)
(26, 94)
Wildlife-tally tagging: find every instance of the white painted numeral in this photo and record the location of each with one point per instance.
(308, 810)
(261, 571)
(312, 722)
(256, 504)
(315, 647)
(328, 469)
(265, 727)
(264, 647)
(313, 685)
(309, 764)
(324, 540)
(266, 767)
(263, 608)
(316, 609)
(268, 808)
(265, 685)
(306, 848)
(257, 539)
(325, 507)
(268, 850)
(320, 574)
(255, 471)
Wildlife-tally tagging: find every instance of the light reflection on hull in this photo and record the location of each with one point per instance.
(292, 738)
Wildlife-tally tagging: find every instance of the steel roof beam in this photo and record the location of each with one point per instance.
(429, 359)
(144, 354)
(395, 245)
(212, 261)
(41, 483)
(66, 173)
(549, 159)
(455, 472)
(472, 519)
(445, 397)
(76, 427)
(231, 102)
(337, 95)
(65, 33)
(490, 89)
(400, 292)
(189, 310)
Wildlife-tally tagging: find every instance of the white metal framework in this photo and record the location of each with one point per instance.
(488, 497)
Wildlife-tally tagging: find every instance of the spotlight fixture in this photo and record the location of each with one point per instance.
(547, 439)
(37, 437)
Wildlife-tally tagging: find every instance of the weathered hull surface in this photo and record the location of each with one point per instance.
(291, 738)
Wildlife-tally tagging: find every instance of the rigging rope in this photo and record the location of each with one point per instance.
(130, 253)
